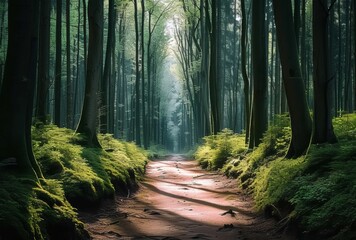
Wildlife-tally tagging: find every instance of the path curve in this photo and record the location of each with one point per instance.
(179, 200)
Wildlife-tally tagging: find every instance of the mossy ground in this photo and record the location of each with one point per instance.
(75, 177)
(316, 192)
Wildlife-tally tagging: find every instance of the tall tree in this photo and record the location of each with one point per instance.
(58, 70)
(244, 31)
(69, 71)
(259, 115)
(323, 100)
(293, 82)
(17, 91)
(43, 61)
(213, 78)
(143, 108)
(107, 69)
(138, 78)
(88, 120)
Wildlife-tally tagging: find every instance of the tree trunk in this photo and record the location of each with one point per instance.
(69, 70)
(297, 21)
(107, 69)
(17, 91)
(323, 129)
(214, 88)
(300, 119)
(244, 31)
(137, 83)
(85, 36)
(58, 68)
(259, 62)
(88, 121)
(143, 108)
(43, 61)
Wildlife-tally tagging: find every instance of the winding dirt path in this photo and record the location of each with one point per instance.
(179, 200)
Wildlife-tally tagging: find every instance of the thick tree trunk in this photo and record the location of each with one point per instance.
(299, 113)
(17, 91)
(323, 129)
(88, 121)
(297, 21)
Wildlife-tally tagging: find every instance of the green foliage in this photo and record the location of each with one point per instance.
(345, 127)
(324, 196)
(31, 211)
(274, 145)
(75, 175)
(219, 148)
(318, 189)
(88, 174)
(273, 179)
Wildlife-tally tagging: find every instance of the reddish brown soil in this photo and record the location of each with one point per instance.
(179, 200)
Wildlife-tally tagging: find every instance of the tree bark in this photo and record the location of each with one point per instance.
(69, 69)
(107, 70)
(43, 61)
(244, 70)
(259, 62)
(58, 67)
(17, 91)
(213, 87)
(323, 128)
(88, 120)
(299, 113)
(143, 107)
(138, 79)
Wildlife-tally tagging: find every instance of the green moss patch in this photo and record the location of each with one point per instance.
(74, 176)
(88, 174)
(29, 210)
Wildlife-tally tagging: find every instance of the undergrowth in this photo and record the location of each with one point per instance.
(316, 192)
(88, 174)
(74, 176)
(219, 148)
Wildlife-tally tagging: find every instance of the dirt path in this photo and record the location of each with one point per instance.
(178, 200)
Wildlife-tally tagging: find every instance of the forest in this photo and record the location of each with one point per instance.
(109, 100)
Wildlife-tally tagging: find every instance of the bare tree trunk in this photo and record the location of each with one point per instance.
(88, 121)
(300, 119)
(138, 78)
(43, 61)
(244, 31)
(58, 70)
(214, 88)
(107, 70)
(17, 91)
(259, 60)
(323, 128)
(69, 71)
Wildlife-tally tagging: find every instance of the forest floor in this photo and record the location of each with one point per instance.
(179, 200)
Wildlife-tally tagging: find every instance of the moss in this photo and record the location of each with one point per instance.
(74, 176)
(88, 174)
(218, 149)
(316, 191)
(27, 209)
